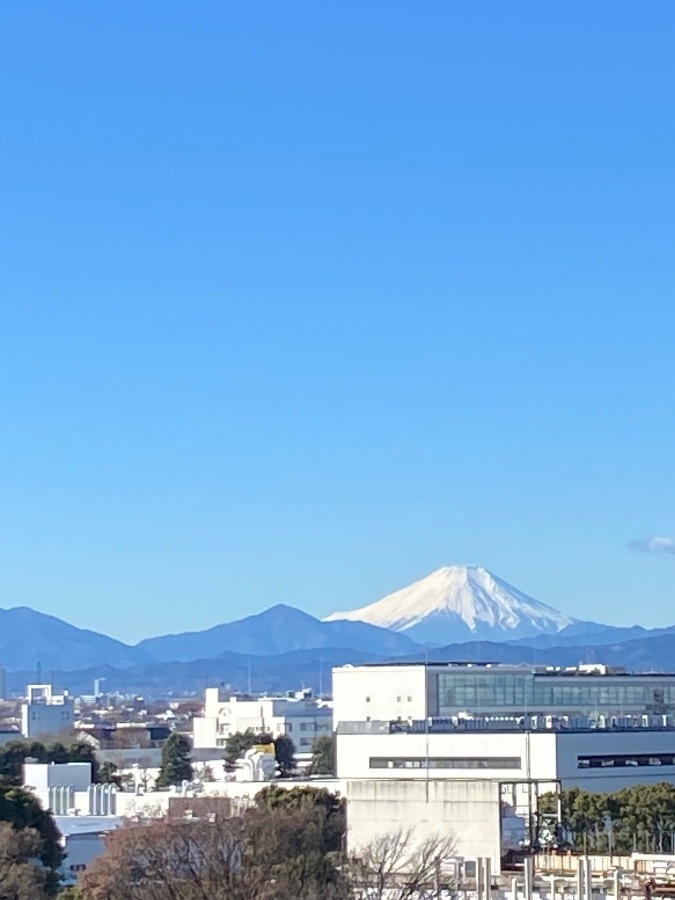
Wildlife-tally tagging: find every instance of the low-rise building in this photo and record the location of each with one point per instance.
(44, 712)
(83, 812)
(300, 716)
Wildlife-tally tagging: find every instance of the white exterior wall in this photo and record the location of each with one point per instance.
(300, 719)
(379, 693)
(204, 732)
(605, 743)
(536, 752)
(467, 810)
(42, 776)
(46, 718)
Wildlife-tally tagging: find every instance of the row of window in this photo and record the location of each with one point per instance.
(629, 759)
(445, 762)
(526, 691)
(308, 726)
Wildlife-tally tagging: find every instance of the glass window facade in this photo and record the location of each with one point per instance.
(529, 692)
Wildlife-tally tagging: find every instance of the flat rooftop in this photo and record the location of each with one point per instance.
(584, 670)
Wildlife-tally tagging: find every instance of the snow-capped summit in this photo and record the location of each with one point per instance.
(460, 603)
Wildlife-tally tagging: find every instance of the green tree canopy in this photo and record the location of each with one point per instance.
(284, 748)
(176, 764)
(323, 756)
(14, 754)
(22, 811)
(242, 741)
(641, 817)
(20, 877)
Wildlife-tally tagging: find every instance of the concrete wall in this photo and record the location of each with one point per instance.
(536, 754)
(42, 718)
(205, 733)
(468, 810)
(144, 757)
(362, 693)
(42, 776)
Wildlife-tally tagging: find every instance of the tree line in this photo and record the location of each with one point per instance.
(323, 751)
(287, 845)
(14, 754)
(635, 819)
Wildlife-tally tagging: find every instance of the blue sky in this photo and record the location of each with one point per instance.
(299, 302)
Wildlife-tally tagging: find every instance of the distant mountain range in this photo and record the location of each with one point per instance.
(280, 629)
(312, 668)
(28, 637)
(473, 614)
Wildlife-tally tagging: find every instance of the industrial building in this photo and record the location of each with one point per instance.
(422, 690)
(468, 749)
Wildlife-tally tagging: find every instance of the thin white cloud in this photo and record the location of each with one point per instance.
(653, 545)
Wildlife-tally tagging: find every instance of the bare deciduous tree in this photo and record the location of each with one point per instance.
(282, 852)
(396, 866)
(188, 860)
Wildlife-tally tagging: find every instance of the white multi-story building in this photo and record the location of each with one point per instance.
(300, 716)
(44, 712)
(469, 749)
(419, 691)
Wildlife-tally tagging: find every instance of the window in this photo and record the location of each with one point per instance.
(367, 699)
(445, 762)
(628, 759)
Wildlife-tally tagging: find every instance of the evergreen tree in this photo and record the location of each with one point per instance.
(176, 764)
(323, 756)
(284, 750)
(22, 811)
(242, 741)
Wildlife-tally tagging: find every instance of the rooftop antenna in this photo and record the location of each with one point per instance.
(38, 671)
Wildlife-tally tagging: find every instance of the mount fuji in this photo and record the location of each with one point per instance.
(461, 603)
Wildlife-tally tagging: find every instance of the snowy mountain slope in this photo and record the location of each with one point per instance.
(460, 603)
